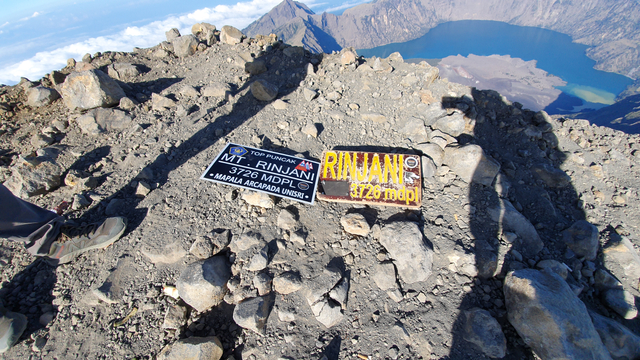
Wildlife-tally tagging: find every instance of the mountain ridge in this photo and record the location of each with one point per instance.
(608, 27)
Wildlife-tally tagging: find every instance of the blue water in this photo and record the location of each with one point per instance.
(554, 52)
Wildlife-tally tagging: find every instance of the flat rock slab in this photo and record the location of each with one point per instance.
(404, 242)
(253, 313)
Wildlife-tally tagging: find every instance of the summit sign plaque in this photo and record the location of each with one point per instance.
(265, 171)
(372, 178)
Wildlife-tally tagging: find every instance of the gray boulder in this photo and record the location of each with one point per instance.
(620, 341)
(471, 164)
(230, 35)
(122, 71)
(184, 46)
(27, 179)
(172, 34)
(453, 125)
(90, 89)
(253, 313)
(549, 316)
(529, 242)
(199, 348)
(404, 242)
(582, 239)
(622, 302)
(621, 258)
(41, 96)
(100, 120)
(255, 67)
(203, 283)
(483, 330)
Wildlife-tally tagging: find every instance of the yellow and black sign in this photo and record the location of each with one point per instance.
(375, 178)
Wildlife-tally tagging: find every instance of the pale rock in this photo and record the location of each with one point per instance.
(164, 254)
(381, 66)
(172, 34)
(433, 112)
(355, 224)
(374, 117)
(203, 284)
(258, 199)
(340, 292)
(471, 164)
(404, 242)
(281, 105)
(347, 57)
(428, 169)
(253, 313)
(414, 128)
(189, 91)
(126, 104)
(262, 282)
(621, 258)
(41, 96)
(395, 56)
(216, 90)
(246, 241)
(260, 260)
(175, 317)
(483, 330)
(286, 316)
(395, 295)
(327, 312)
(230, 35)
(263, 90)
(143, 189)
(582, 239)
(122, 71)
(100, 120)
(620, 341)
(287, 282)
(384, 275)
(310, 130)
(27, 180)
(298, 236)
(549, 317)
(529, 242)
(161, 103)
(287, 220)
(431, 75)
(434, 151)
(90, 89)
(196, 348)
(309, 94)
(453, 125)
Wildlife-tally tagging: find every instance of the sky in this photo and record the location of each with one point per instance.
(38, 36)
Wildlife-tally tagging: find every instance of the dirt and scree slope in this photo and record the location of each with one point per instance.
(320, 287)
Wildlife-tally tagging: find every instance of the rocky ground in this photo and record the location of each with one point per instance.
(526, 245)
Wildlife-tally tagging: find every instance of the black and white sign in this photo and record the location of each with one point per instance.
(266, 171)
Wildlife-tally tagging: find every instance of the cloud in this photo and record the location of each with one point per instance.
(3, 25)
(348, 4)
(35, 14)
(239, 15)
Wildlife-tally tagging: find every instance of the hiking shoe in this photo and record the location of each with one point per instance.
(74, 240)
(12, 325)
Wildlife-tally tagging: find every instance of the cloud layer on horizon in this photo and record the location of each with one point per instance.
(239, 15)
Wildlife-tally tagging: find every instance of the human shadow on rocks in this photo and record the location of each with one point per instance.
(524, 145)
(243, 108)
